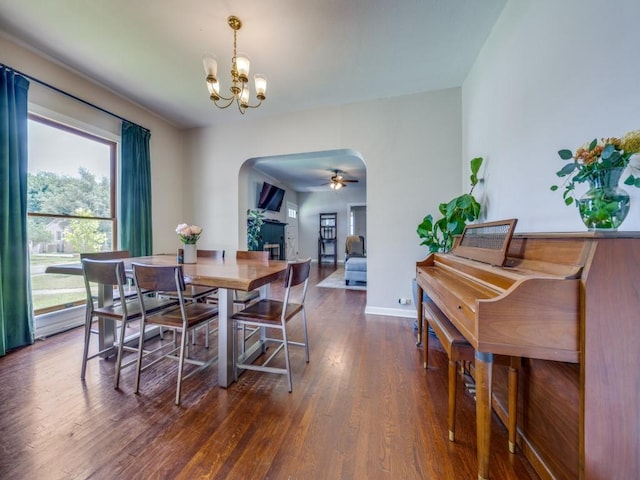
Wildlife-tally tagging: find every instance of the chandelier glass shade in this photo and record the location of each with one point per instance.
(239, 77)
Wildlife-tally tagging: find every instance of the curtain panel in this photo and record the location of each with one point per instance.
(16, 308)
(135, 191)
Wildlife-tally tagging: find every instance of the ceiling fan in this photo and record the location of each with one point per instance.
(338, 181)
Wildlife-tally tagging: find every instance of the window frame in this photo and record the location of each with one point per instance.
(113, 182)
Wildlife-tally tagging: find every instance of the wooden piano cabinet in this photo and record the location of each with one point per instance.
(548, 415)
(611, 373)
(579, 389)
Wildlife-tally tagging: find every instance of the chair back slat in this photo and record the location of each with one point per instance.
(105, 272)
(261, 255)
(159, 278)
(297, 272)
(215, 254)
(106, 255)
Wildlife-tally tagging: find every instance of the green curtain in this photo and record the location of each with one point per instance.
(16, 309)
(135, 191)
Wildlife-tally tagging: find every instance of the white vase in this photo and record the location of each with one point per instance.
(190, 253)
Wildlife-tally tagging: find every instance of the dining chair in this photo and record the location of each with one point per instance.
(244, 299)
(272, 314)
(112, 255)
(99, 273)
(181, 319)
(201, 293)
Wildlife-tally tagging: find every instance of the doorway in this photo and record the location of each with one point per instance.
(291, 232)
(357, 214)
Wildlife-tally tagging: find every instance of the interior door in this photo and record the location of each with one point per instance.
(291, 231)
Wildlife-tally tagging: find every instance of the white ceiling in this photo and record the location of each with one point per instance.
(314, 52)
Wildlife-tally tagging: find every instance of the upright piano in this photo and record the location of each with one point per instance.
(569, 305)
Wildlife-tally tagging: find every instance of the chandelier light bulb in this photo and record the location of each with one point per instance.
(242, 64)
(244, 96)
(261, 85)
(210, 68)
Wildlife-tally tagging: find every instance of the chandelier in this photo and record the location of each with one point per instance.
(239, 77)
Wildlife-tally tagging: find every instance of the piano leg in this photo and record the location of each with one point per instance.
(419, 311)
(514, 366)
(484, 373)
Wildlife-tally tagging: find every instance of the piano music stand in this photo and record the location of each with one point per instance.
(486, 242)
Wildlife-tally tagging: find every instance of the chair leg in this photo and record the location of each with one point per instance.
(183, 349)
(234, 351)
(139, 363)
(286, 357)
(306, 336)
(116, 379)
(87, 339)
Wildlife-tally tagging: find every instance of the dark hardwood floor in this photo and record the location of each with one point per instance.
(363, 408)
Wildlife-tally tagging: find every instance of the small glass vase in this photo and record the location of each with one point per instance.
(190, 253)
(605, 205)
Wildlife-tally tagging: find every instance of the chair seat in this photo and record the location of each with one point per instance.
(196, 313)
(133, 308)
(267, 310)
(240, 297)
(245, 297)
(192, 292)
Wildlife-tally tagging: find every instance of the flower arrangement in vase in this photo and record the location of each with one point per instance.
(601, 163)
(189, 235)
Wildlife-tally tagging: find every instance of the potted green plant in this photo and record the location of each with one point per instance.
(438, 235)
(255, 219)
(601, 163)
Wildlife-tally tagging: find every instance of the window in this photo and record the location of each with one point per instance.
(70, 206)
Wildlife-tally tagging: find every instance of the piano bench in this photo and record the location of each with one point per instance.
(457, 348)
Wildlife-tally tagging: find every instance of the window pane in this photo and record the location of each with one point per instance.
(57, 240)
(69, 182)
(69, 174)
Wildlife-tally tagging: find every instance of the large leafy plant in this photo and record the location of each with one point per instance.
(255, 219)
(438, 235)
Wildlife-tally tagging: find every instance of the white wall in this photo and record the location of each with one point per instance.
(410, 145)
(166, 143)
(552, 75)
(312, 204)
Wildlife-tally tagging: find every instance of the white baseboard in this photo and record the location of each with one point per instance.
(55, 322)
(391, 312)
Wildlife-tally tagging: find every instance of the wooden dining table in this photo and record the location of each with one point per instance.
(225, 274)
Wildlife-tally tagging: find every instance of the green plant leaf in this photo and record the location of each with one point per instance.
(607, 151)
(565, 154)
(475, 168)
(566, 170)
(554, 188)
(593, 144)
